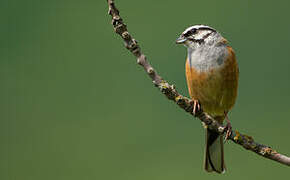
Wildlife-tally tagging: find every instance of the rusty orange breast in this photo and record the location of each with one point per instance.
(215, 89)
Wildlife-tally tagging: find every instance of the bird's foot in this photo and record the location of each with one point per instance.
(228, 129)
(196, 107)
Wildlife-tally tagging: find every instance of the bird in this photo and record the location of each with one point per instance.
(212, 75)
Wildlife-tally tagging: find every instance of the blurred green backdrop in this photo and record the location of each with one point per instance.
(74, 104)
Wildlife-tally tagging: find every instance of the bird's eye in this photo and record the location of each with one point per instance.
(191, 32)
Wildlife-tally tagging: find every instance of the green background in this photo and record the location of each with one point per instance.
(75, 105)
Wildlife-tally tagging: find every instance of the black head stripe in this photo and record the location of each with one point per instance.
(202, 40)
(208, 34)
(206, 28)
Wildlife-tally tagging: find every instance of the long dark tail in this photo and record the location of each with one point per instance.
(214, 152)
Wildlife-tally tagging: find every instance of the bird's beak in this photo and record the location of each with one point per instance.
(181, 40)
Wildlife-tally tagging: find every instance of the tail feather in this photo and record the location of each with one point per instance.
(214, 152)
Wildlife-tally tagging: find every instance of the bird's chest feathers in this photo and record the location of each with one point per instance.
(207, 58)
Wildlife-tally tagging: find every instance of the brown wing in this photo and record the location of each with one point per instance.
(230, 74)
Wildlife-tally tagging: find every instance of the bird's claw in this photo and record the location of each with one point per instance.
(228, 130)
(196, 107)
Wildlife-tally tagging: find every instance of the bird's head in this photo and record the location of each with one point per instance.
(199, 35)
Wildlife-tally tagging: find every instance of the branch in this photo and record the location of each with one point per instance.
(183, 102)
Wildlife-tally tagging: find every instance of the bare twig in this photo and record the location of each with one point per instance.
(185, 103)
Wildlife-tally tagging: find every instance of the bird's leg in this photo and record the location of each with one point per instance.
(228, 128)
(196, 107)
